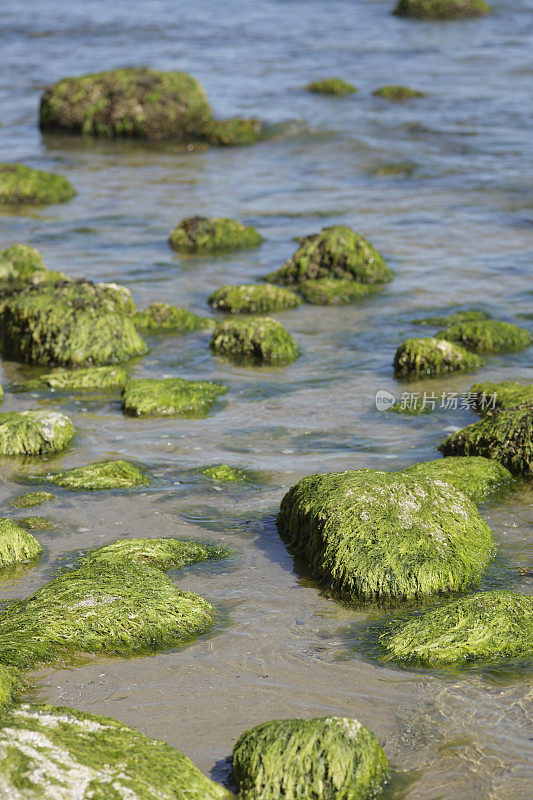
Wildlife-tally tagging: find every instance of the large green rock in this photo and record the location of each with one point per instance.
(21, 185)
(51, 753)
(487, 335)
(441, 9)
(257, 340)
(34, 432)
(432, 357)
(477, 477)
(260, 298)
(164, 318)
(16, 544)
(329, 758)
(170, 396)
(214, 234)
(489, 626)
(101, 476)
(386, 535)
(92, 379)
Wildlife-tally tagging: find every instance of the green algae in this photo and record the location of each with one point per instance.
(162, 317)
(505, 436)
(21, 185)
(1, 395)
(92, 379)
(441, 9)
(468, 315)
(10, 685)
(397, 94)
(506, 394)
(432, 357)
(37, 523)
(335, 292)
(31, 499)
(213, 234)
(100, 476)
(165, 554)
(259, 340)
(69, 323)
(488, 627)
(20, 262)
(254, 299)
(55, 753)
(476, 476)
(335, 252)
(226, 474)
(489, 336)
(402, 169)
(170, 396)
(327, 758)
(34, 432)
(16, 544)
(136, 102)
(386, 535)
(332, 86)
(413, 408)
(234, 132)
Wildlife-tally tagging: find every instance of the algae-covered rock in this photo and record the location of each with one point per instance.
(441, 9)
(489, 336)
(21, 185)
(335, 292)
(234, 132)
(164, 554)
(70, 323)
(333, 758)
(226, 474)
(397, 94)
(489, 627)
(9, 686)
(477, 477)
(136, 102)
(20, 262)
(52, 753)
(260, 339)
(34, 432)
(468, 315)
(506, 394)
(16, 544)
(162, 317)
(92, 379)
(174, 396)
(31, 499)
(335, 252)
(332, 86)
(432, 357)
(37, 523)
(103, 475)
(254, 299)
(505, 436)
(212, 234)
(412, 407)
(386, 535)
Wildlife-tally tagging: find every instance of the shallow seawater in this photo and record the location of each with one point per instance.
(454, 220)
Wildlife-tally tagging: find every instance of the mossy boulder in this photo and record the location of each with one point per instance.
(506, 394)
(476, 476)
(386, 535)
(9, 686)
(164, 554)
(468, 315)
(34, 432)
(170, 396)
(335, 252)
(91, 379)
(226, 474)
(432, 357)
(21, 185)
(260, 340)
(487, 336)
(505, 436)
(397, 94)
(254, 299)
(441, 9)
(332, 86)
(52, 753)
(136, 102)
(31, 499)
(329, 758)
(335, 292)
(234, 132)
(488, 627)
(162, 318)
(69, 323)
(100, 476)
(16, 544)
(213, 234)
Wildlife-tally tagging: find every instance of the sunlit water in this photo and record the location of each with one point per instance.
(455, 225)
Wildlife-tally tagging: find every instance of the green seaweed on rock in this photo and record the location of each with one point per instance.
(234, 132)
(226, 474)
(488, 336)
(397, 94)
(34, 432)
(260, 339)
(162, 317)
(21, 185)
(214, 234)
(170, 396)
(164, 554)
(31, 499)
(253, 299)
(441, 9)
(468, 315)
(476, 476)
(91, 379)
(432, 357)
(10, 685)
(332, 86)
(100, 476)
(16, 544)
(335, 292)
(506, 394)
(37, 523)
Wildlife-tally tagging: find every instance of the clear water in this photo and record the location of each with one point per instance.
(456, 228)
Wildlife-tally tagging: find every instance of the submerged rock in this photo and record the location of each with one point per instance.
(162, 317)
(16, 544)
(51, 753)
(477, 477)
(489, 336)
(335, 252)
(92, 379)
(224, 473)
(235, 132)
(386, 535)
(31, 499)
(260, 339)
(212, 234)
(335, 292)
(489, 626)
(174, 396)
(506, 394)
(254, 299)
(37, 523)
(102, 475)
(397, 94)
(431, 357)
(164, 554)
(328, 757)
(332, 86)
(441, 9)
(413, 407)
(21, 185)
(34, 432)
(469, 315)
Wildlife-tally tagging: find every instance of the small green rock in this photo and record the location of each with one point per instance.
(20, 262)
(34, 432)
(224, 473)
(21, 185)
(31, 499)
(339, 292)
(397, 94)
(174, 396)
(260, 340)
(332, 86)
(477, 477)
(92, 379)
(432, 357)
(16, 544)
(235, 132)
(441, 9)
(254, 299)
(469, 315)
(489, 336)
(36, 523)
(164, 554)
(507, 394)
(329, 757)
(214, 234)
(101, 476)
(162, 317)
